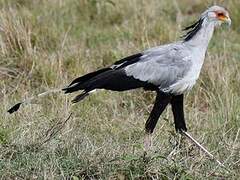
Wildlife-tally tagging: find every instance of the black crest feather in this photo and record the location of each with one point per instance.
(192, 30)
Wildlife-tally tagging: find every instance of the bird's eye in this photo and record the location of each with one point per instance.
(220, 14)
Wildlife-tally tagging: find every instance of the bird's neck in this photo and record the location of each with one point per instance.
(202, 38)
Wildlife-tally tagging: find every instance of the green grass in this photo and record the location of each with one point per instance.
(45, 44)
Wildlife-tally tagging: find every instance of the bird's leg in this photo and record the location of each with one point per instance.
(147, 141)
(203, 149)
(178, 113)
(160, 104)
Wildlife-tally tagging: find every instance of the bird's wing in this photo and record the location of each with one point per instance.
(162, 66)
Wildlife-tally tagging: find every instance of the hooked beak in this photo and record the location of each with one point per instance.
(226, 19)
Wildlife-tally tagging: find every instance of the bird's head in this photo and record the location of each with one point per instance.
(216, 14)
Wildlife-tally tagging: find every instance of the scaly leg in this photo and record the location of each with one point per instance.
(147, 141)
(160, 104)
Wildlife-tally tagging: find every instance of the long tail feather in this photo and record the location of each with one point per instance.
(29, 100)
(14, 108)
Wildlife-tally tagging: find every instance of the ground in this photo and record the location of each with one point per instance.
(44, 44)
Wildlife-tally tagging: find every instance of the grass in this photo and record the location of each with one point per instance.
(45, 44)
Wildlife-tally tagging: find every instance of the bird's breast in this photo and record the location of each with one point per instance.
(189, 80)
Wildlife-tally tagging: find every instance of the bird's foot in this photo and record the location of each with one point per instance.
(147, 141)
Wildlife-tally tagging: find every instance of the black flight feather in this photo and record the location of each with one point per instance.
(128, 60)
(87, 76)
(80, 83)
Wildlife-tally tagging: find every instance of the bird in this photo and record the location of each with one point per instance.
(170, 70)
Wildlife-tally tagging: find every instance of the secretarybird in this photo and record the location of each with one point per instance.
(169, 70)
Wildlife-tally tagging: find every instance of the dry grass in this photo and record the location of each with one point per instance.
(45, 44)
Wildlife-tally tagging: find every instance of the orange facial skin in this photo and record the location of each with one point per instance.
(221, 16)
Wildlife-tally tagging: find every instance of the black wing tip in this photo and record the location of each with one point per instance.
(14, 108)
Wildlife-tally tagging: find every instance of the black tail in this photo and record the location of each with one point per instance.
(110, 79)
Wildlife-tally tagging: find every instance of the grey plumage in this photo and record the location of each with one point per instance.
(170, 70)
(162, 66)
